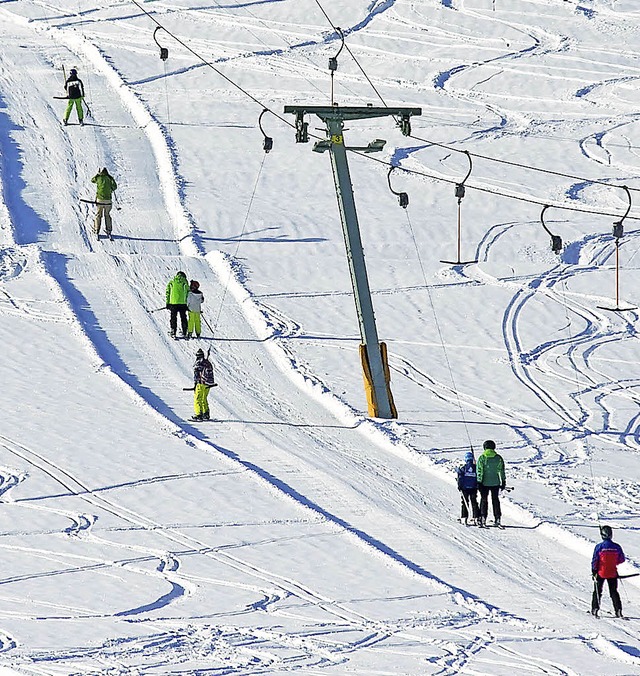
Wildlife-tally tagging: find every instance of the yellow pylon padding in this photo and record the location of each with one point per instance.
(372, 403)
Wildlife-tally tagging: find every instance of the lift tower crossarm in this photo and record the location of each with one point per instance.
(351, 112)
(376, 372)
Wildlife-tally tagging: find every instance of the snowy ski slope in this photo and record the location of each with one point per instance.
(295, 534)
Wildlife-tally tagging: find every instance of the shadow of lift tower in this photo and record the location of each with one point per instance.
(373, 353)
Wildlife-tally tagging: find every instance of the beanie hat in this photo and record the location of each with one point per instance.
(489, 444)
(468, 456)
(200, 353)
(606, 532)
(193, 285)
(73, 71)
(181, 274)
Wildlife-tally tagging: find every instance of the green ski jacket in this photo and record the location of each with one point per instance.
(105, 185)
(490, 469)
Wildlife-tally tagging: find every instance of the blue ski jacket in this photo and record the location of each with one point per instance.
(467, 476)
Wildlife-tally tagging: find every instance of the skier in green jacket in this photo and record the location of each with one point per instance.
(491, 479)
(105, 187)
(177, 291)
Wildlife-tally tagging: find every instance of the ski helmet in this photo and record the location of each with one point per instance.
(489, 444)
(181, 274)
(606, 532)
(193, 285)
(468, 456)
(200, 354)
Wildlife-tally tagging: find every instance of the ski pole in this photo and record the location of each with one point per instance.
(189, 389)
(208, 325)
(157, 309)
(466, 503)
(116, 200)
(89, 113)
(595, 590)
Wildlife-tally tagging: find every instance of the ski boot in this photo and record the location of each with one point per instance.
(619, 613)
(196, 418)
(594, 612)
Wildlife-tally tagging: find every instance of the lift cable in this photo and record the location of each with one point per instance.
(492, 191)
(210, 65)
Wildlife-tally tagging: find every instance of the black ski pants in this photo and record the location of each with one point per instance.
(173, 320)
(495, 501)
(598, 584)
(469, 496)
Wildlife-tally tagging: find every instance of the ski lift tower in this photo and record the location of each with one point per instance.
(373, 353)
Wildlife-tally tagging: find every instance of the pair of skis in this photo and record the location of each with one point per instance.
(478, 525)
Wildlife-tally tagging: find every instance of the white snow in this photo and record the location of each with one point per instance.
(295, 533)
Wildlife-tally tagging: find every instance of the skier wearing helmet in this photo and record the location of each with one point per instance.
(74, 89)
(607, 556)
(203, 381)
(468, 487)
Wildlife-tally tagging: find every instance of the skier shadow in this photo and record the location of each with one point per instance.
(142, 239)
(31, 226)
(246, 237)
(56, 265)
(290, 424)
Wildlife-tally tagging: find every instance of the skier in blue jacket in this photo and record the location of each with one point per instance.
(468, 487)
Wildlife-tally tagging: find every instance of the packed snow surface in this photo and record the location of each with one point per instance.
(294, 533)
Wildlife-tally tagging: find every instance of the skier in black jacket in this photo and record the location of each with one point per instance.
(75, 93)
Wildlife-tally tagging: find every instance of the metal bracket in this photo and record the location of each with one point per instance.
(405, 125)
(556, 240)
(618, 229)
(268, 141)
(164, 52)
(460, 189)
(333, 61)
(302, 129)
(403, 198)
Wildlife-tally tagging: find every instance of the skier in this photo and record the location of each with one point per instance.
(105, 187)
(491, 479)
(195, 298)
(177, 291)
(75, 93)
(607, 556)
(468, 487)
(203, 381)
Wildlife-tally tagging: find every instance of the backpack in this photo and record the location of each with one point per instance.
(206, 374)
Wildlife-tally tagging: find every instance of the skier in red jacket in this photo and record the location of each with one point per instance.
(607, 556)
